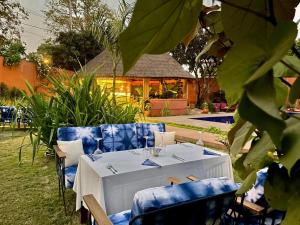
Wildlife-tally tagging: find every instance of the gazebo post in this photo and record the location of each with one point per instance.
(146, 90)
(185, 88)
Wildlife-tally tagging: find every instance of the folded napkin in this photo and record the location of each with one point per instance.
(94, 157)
(206, 152)
(149, 162)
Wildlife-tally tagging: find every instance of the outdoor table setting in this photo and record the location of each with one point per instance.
(114, 177)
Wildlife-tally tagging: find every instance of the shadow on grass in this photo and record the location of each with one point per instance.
(29, 193)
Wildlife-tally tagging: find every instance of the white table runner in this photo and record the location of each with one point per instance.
(115, 192)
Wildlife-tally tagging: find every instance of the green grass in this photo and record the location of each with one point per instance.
(29, 193)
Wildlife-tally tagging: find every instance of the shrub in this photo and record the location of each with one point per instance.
(74, 101)
(12, 51)
(4, 90)
(43, 69)
(211, 107)
(15, 93)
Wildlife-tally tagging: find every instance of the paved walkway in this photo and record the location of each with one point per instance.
(187, 120)
(187, 135)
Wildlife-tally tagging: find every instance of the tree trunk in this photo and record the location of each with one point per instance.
(198, 103)
(114, 83)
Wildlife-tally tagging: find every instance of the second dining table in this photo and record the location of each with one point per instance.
(114, 177)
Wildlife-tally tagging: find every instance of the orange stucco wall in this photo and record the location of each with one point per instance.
(16, 76)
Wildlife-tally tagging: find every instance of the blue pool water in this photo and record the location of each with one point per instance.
(217, 119)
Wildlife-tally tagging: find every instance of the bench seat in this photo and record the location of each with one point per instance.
(187, 203)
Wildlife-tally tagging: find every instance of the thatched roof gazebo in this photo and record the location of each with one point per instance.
(148, 66)
(151, 75)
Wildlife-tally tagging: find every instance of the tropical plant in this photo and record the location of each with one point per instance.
(72, 101)
(108, 28)
(255, 37)
(12, 51)
(165, 111)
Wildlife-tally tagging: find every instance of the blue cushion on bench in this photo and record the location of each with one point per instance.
(151, 199)
(257, 191)
(119, 137)
(121, 218)
(147, 129)
(87, 134)
(70, 173)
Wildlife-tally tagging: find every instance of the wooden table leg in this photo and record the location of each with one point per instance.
(83, 215)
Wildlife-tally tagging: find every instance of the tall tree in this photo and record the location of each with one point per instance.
(71, 49)
(108, 30)
(73, 15)
(11, 16)
(204, 67)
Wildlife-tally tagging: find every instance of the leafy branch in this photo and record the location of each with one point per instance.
(258, 14)
(290, 67)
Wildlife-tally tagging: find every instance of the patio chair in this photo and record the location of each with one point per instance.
(7, 114)
(23, 116)
(251, 208)
(202, 202)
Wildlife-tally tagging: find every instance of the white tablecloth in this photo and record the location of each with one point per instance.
(115, 192)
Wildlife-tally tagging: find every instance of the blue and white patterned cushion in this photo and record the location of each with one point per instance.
(147, 129)
(6, 113)
(257, 191)
(152, 199)
(121, 218)
(87, 134)
(70, 173)
(119, 137)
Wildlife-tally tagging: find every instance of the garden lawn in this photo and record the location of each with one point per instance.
(29, 193)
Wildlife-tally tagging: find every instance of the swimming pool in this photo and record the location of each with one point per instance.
(217, 119)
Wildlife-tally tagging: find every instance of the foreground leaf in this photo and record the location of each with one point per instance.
(262, 120)
(238, 165)
(239, 24)
(277, 191)
(257, 155)
(207, 47)
(156, 27)
(238, 66)
(281, 70)
(264, 87)
(190, 36)
(248, 183)
(293, 216)
(282, 40)
(213, 20)
(285, 9)
(291, 145)
(237, 125)
(295, 91)
(282, 92)
(243, 133)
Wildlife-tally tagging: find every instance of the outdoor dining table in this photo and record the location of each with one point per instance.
(114, 190)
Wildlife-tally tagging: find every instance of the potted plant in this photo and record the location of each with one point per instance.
(204, 108)
(147, 108)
